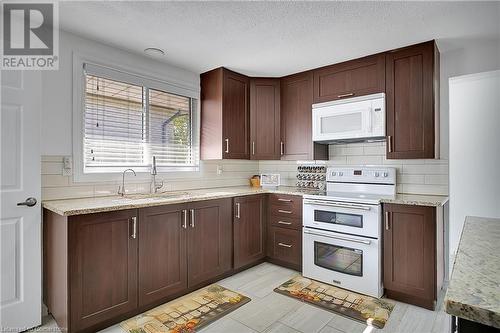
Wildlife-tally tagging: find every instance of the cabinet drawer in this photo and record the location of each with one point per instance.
(285, 222)
(285, 205)
(285, 245)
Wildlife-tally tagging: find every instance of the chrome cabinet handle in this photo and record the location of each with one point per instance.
(227, 145)
(284, 200)
(191, 224)
(285, 223)
(345, 95)
(134, 227)
(285, 245)
(238, 207)
(282, 148)
(389, 143)
(253, 147)
(284, 211)
(184, 218)
(349, 239)
(30, 202)
(387, 225)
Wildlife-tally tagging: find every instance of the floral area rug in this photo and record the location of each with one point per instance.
(369, 310)
(188, 313)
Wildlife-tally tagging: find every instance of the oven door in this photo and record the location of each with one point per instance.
(351, 218)
(345, 261)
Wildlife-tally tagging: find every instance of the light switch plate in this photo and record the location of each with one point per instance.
(67, 166)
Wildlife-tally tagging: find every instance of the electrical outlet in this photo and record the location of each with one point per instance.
(219, 169)
(67, 166)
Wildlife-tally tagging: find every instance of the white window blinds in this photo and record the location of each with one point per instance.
(126, 124)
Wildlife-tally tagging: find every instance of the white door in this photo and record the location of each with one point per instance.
(20, 225)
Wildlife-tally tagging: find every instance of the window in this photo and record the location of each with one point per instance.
(126, 124)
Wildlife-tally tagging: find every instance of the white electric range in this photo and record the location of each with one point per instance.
(342, 228)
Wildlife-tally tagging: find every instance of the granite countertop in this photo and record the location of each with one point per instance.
(474, 289)
(70, 207)
(418, 200)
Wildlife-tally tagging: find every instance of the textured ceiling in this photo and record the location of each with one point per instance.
(277, 38)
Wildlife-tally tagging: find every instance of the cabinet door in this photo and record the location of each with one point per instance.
(209, 240)
(162, 252)
(285, 246)
(410, 101)
(103, 267)
(235, 116)
(410, 253)
(265, 119)
(296, 119)
(350, 79)
(249, 227)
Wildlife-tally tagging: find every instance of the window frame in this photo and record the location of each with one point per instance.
(145, 79)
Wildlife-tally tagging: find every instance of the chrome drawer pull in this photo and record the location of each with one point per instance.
(285, 223)
(284, 200)
(284, 211)
(285, 245)
(227, 146)
(345, 95)
(387, 225)
(238, 210)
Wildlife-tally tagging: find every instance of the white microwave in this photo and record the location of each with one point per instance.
(352, 119)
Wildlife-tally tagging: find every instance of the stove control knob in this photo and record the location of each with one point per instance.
(334, 173)
(386, 174)
(341, 173)
(377, 174)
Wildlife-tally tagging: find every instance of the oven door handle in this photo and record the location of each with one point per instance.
(335, 204)
(367, 242)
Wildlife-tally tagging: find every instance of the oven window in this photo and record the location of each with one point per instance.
(350, 220)
(338, 258)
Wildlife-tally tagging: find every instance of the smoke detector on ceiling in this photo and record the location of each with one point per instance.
(154, 51)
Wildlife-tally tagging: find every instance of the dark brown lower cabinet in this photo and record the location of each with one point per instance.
(284, 247)
(411, 245)
(249, 230)
(105, 267)
(162, 252)
(102, 267)
(209, 240)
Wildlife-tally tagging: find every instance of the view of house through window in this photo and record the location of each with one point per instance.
(125, 125)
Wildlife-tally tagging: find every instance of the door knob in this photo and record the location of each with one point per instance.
(30, 202)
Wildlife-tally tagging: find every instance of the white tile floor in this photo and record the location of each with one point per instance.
(272, 312)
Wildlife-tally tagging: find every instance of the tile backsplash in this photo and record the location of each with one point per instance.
(413, 176)
(57, 186)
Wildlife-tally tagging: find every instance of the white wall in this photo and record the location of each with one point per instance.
(474, 149)
(57, 86)
(461, 57)
(56, 126)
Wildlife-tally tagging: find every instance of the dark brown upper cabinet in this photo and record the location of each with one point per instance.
(296, 119)
(412, 97)
(352, 78)
(224, 115)
(264, 119)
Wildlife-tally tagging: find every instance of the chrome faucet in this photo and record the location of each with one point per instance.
(154, 186)
(121, 191)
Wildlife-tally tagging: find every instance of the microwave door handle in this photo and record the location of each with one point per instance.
(349, 239)
(339, 205)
